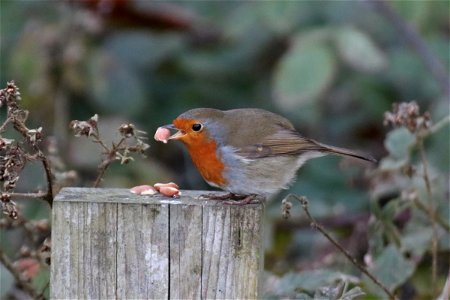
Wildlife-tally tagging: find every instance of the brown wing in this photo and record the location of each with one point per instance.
(289, 142)
(284, 142)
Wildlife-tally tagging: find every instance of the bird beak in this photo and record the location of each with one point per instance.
(177, 134)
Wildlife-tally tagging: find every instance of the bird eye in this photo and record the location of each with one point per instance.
(197, 127)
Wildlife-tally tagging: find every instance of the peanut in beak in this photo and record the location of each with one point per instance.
(162, 134)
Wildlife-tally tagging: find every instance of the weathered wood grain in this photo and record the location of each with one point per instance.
(142, 251)
(111, 244)
(84, 262)
(232, 252)
(185, 251)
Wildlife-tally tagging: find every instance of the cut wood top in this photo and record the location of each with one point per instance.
(120, 195)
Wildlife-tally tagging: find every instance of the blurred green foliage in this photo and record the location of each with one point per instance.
(333, 68)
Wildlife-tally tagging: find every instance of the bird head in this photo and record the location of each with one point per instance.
(196, 126)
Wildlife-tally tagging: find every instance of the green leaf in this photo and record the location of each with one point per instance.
(41, 281)
(303, 74)
(7, 281)
(312, 280)
(389, 163)
(359, 51)
(393, 208)
(280, 16)
(354, 293)
(398, 142)
(391, 268)
(417, 242)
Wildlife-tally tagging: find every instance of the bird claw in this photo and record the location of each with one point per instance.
(233, 199)
(248, 199)
(213, 196)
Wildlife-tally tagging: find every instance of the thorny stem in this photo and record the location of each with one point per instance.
(49, 175)
(432, 213)
(23, 130)
(426, 178)
(111, 154)
(3, 126)
(102, 169)
(19, 278)
(97, 140)
(304, 203)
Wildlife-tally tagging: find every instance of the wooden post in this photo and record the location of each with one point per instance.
(109, 243)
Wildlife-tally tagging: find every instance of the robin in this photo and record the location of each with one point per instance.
(246, 152)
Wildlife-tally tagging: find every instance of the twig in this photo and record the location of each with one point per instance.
(426, 177)
(23, 130)
(432, 214)
(97, 139)
(110, 157)
(19, 278)
(102, 169)
(49, 175)
(426, 210)
(415, 41)
(304, 203)
(40, 195)
(438, 126)
(7, 121)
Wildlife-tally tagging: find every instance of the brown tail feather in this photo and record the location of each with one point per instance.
(347, 152)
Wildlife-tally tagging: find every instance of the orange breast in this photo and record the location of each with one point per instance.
(210, 166)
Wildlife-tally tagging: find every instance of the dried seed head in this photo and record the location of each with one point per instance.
(4, 143)
(127, 130)
(286, 208)
(5, 197)
(10, 184)
(93, 121)
(9, 208)
(141, 146)
(407, 114)
(34, 135)
(82, 128)
(10, 96)
(46, 245)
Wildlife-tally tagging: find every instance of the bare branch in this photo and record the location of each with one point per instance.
(304, 203)
(426, 210)
(432, 212)
(38, 195)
